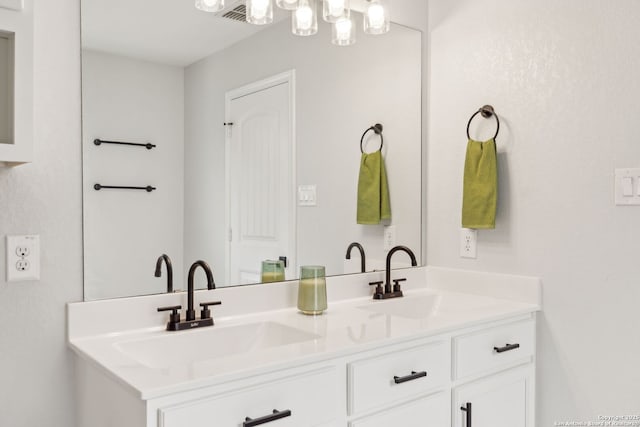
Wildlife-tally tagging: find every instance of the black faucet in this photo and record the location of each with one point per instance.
(175, 323)
(167, 261)
(395, 291)
(362, 257)
(191, 313)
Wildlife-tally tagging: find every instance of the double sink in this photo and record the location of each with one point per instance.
(167, 349)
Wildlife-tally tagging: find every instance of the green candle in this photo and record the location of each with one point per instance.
(312, 290)
(272, 271)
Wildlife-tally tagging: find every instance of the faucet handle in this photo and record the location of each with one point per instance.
(205, 313)
(396, 284)
(174, 317)
(378, 286)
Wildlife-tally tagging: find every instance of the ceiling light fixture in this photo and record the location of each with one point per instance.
(376, 18)
(304, 16)
(259, 12)
(304, 20)
(333, 10)
(210, 5)
(343, 32)
(287, 4)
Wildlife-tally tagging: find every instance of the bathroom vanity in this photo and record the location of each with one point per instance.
(458, 349)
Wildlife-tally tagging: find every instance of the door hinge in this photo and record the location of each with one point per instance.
(230, 235)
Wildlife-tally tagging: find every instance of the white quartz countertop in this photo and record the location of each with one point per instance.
(347, 327)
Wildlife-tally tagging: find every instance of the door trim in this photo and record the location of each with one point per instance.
(288, 77)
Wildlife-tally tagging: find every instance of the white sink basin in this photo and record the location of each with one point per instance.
(185, 347)
(412, 307)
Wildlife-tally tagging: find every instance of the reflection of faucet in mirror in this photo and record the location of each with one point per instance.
(362, 257)
(158, 273)
(191, 313)
(396, 291)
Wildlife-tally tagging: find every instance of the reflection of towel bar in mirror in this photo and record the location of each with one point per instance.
(377, 128)
(148, 145)
(487, 112)
(99, 187)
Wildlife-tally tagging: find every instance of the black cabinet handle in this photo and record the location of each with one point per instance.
(507, 347)
(251, 422)
(414, 376)
(467, 409)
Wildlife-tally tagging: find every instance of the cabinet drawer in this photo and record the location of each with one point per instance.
(493, 348)
(396, 376)
(312, 399)
(427, 411)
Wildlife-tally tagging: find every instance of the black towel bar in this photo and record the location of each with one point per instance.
(99, 187)
(147, 145)
(487, 112)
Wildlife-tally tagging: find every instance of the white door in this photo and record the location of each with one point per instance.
(260, 172)
(502, 400)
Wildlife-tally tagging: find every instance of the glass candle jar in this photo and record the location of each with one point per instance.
(272, 271)
(312, 290)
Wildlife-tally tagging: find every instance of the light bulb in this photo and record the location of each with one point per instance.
(304, 20)
(376, 15)
(343, 32)
(343, 28)
(259, 12)
(336, 7)
(210, 5)
(333, 10)
(376, 18)
(287, 4)
(304, 15)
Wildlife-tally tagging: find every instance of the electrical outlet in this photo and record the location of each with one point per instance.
(468, 243)
(389, 237)
(23, 258)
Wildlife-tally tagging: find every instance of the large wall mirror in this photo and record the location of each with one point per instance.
(279, 180)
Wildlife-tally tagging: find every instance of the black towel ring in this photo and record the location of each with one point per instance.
(377, 128)
(487, 112)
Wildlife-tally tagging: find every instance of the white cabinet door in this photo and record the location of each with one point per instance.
(426, 411)
(503, 400)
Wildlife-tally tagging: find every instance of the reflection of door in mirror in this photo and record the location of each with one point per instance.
(261, 209)
(6, 87)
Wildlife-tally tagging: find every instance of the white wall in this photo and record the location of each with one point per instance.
(563, 76)
(338, 97)
(125, 231)
(44, 197)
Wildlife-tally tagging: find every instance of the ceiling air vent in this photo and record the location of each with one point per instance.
(236, 11)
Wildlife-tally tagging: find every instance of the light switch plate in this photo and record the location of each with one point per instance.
(23, 258)
(307, 195)
(627, 187)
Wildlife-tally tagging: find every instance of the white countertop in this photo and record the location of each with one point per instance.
(345, 328)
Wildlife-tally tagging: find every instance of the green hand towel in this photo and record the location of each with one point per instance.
(373, 190)
(480, 192)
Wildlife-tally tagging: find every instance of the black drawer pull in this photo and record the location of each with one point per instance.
(250, 422)
(467, 409)
(507, 347)
(414, 376)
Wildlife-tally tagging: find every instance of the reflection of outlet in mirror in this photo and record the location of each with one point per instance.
(23, 258)
(468, 242)
(389, 237)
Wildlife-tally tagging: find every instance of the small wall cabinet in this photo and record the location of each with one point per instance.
(419, 382)
(16, 81)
